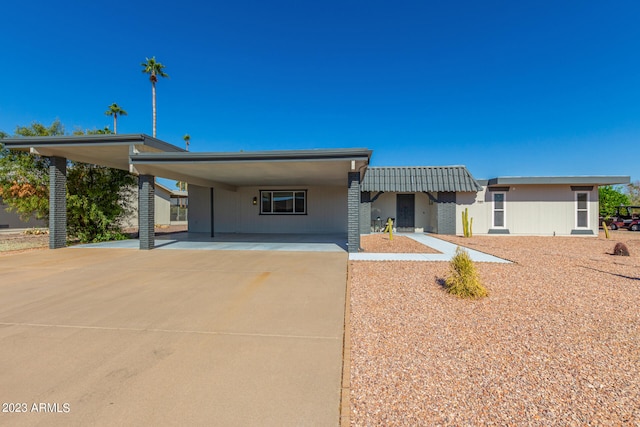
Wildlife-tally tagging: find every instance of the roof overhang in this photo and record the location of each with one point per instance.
(106, 150)
(142, 154)
(560, 180)
(274, 168)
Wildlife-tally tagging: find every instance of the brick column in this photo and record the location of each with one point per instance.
(146, 211)
(365, 212)
(57, 202)
(353, 212)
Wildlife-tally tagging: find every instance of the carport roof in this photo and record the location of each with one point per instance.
(107, 150)
(143, 154)
(420, 179)
(275, 168)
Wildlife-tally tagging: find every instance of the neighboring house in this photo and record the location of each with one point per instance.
(13, 220)
(171, 206)
(320, 191)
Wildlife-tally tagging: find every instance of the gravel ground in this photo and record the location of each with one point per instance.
(11, 243)
(380, 243)
(557, 342)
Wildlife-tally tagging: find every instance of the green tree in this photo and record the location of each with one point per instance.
(610, 198)
(633, 190)
(115, 110)
(154, 69)
(24, 179)
(98, 198)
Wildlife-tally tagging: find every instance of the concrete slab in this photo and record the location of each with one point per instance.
(172, 337)
(238, 242)
(447, 250)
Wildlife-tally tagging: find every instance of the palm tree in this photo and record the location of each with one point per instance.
(187, 139)
(115, 110)
(154, 69)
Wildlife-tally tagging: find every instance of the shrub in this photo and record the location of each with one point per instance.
(621, 249)
(463, 279)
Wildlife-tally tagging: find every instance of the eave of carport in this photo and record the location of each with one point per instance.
(273, 168)
(106, 150)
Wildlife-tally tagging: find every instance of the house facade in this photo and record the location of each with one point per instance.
(328, 191)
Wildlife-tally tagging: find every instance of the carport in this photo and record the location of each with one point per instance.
(309, 191)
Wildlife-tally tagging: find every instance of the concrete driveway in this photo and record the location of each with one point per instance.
(129, 337)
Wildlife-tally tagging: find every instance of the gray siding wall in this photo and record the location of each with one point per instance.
(365, 212)
(236, 213)
(12, 219)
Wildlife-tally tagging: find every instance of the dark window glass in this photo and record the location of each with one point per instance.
(582, 201)
(266, 201)
(582, 219)
(300, 202)
(283, 201)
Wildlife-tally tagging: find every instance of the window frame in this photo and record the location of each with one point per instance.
(504, 210)
(293, 197)
(578, 210)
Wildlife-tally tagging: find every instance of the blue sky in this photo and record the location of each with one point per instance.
(504, 87)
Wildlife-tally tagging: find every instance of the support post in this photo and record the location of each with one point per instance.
(353, 209)
(146, 211)
(57, 202)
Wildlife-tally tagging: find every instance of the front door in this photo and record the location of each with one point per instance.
(405, 212)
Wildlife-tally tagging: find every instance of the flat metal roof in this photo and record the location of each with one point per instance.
(566, 180)
(107, 150)
(420, 179)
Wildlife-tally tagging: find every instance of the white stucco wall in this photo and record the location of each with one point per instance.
(234, 212)
(531, 210)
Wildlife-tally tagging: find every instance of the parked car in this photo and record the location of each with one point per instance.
(634, 225)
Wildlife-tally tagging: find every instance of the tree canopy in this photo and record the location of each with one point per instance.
(610, 198)
(98, 198)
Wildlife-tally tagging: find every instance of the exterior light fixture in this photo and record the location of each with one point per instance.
(255, 201)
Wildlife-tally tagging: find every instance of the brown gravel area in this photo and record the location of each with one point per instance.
(20, 242)
(380, 243)
(557, 342)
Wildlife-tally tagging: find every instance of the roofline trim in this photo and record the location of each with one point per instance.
(101, 139)
(581, 179)
(253, 156)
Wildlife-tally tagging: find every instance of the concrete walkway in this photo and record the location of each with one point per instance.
(447, 250)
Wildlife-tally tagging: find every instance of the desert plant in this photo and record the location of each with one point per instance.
(467, 224)
(620, 249)
(463, 279)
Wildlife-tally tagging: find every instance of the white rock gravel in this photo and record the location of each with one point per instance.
(557, 342)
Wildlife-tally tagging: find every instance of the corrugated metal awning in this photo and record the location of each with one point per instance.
(415, 179)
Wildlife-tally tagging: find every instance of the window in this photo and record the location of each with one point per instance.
(582, 210)
(498, 210)
(283, 202)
